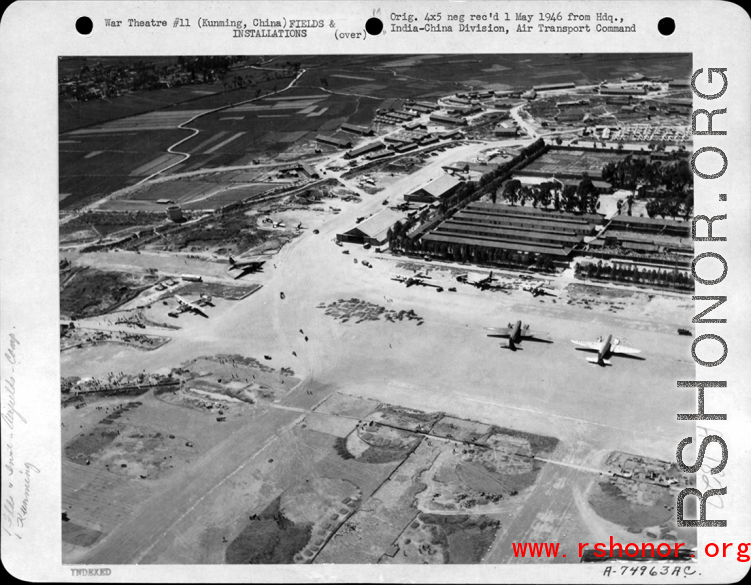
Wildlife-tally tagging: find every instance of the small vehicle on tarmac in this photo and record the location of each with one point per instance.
(345, 251)
(355, 260)
(439, 289)
(366, 246)
(281, 295)
(452, 289)
(316, 232)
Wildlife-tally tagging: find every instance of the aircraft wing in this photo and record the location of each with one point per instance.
(618, 348)
(195, 307)
(593, 345)
(499, 331)
(247, 269)
(535, 334)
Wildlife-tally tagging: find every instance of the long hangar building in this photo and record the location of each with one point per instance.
(520, 230)
(374, 230)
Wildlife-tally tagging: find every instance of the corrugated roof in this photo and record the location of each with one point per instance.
(656, 221)
(438, 187)
(377, 224)
(505, 232)
(534, 223)
(553, 250)
(498, 208)
(366, 148)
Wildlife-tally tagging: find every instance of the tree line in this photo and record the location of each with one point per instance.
(583, 197)
(633, 275)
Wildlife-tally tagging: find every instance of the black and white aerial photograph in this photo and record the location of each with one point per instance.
(374, 309)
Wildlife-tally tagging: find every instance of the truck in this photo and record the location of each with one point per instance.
(192, 278)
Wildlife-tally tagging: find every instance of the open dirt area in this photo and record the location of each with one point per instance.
(294, 436)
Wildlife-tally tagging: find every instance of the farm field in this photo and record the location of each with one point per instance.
(75, 114)
(95, 164)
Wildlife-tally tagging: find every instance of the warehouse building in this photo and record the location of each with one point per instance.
(374, 230)
(416, 125)
(366, 149)
(553, 86)
(528, 232)
(331, 141)
(405, 147)
(451, 134)
(437, 189)
(621, 90)
(441, 119)
(379, 154)
(428, 139)
(651, 225)
(429, 105)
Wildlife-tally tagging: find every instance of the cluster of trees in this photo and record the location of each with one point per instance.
(144, 75)
(666, 186)
(491, 181)
(583, 198)
(674, 207)
(397, 235)
(653, 277)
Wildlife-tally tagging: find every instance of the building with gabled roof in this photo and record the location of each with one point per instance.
(374, 230)
(365, 149)
(437, 189)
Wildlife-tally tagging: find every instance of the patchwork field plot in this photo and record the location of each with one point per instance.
(180, 191)
(123, 159)
(75, 114)
(159, 120)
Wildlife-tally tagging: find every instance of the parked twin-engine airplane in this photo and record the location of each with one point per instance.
(605, 348)
(418, 278)
(195, 306)
(247, 266)
(515, 333)
(538, 289)
(483, 283)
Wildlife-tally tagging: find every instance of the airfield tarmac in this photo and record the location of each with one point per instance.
(447, 364)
